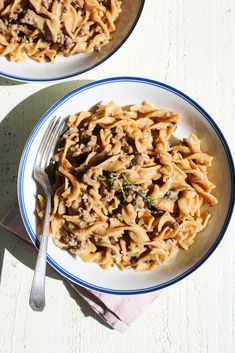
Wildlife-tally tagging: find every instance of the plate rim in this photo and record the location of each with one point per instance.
(47, 115)
(66, 77)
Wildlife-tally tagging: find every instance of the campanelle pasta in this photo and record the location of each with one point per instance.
(41, 29)
(123, 194)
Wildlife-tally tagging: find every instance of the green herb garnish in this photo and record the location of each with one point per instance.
(25, 39)
(140, 193)
(111, 178)
(149, 201)
(125, 188)
(102, 179)
(105, 180)
(123, 193)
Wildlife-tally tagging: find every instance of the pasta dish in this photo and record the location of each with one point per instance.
(124, 194)
(41, 29)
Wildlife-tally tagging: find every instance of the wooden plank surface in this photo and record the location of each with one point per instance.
(189, 44)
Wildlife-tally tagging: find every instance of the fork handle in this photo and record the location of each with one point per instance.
(37, 294)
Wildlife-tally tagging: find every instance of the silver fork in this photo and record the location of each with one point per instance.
(42, 161)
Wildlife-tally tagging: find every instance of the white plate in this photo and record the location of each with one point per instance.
(65, 68)
(125, 91)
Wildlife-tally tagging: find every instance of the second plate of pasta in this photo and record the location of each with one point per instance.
(137, 203)
(44, 40)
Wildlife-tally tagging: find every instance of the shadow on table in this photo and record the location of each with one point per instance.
(14, 130)
(6, 82)
(85, 307)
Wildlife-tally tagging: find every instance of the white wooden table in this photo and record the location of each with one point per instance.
(189, 44)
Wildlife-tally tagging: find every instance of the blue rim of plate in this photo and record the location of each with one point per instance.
(23, 79)
(20, 180)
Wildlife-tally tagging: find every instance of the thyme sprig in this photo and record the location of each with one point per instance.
(125, 187)
(25, 39)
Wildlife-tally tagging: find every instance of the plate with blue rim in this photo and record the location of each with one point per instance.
(125, 91)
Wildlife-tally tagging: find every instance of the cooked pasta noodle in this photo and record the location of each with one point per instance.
(123, 194)
(41, 29)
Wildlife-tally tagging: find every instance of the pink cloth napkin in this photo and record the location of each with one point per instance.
(118, 311)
